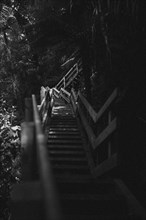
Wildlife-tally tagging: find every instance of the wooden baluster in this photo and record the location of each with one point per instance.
(64, 84)
(77, 68)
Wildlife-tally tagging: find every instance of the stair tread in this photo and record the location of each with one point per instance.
(67, 147)
(64, 126)
(62, 141)
(70, 169)
(68, 153)
(63, 159)
(59, 133)
(81, 167)
(65, 120)
(63, 129)
(73, 178)
(65, 137)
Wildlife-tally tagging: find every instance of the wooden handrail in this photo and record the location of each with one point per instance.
(105, 133)
(93, 114)
(56, 92)
(73, 99)
(134, 205)
(96, 140)
(91, 119)
(70, 75)
(74, 95)
(45, 107)
(88, 107)
(107, 104)
(52, 208)
(110, 128)
(65, 95)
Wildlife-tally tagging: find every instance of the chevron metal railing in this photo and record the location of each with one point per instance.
(70, 76)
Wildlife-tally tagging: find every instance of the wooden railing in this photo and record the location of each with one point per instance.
(101, 130)
(56, 92)
(45, 107)
(38, 187)
(52, 208)
(70, 76)
(64, 94)
(73, 99)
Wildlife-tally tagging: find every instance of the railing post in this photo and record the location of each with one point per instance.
(64, 82)
(77, 68)
(42, 93)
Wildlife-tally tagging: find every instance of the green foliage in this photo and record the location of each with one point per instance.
(10, 169)
(17, 72)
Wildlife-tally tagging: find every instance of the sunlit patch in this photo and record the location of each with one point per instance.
(59, 107)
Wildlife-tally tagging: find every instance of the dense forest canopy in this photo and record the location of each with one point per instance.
(110, 35)
(34, 36)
